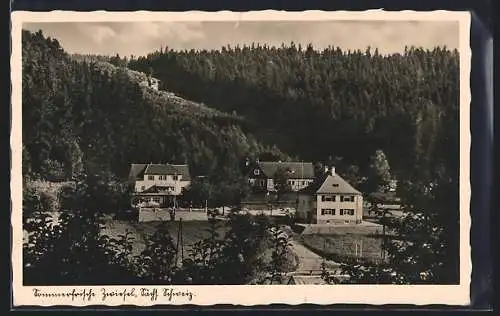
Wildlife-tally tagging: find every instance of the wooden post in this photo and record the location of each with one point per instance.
(383, 237)
(361, 248)
(177, 246)
(182, 240)
(180, 243)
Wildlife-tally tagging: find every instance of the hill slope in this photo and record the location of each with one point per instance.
(91, 114)
(320, 103)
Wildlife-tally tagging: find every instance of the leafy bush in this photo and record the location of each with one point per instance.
(72, 250)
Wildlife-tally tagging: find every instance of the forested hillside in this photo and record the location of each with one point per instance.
(315, 104)
(90, 114)
(322, 104)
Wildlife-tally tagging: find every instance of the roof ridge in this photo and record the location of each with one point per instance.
(318, 185)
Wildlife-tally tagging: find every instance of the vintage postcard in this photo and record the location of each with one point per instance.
(249, 158)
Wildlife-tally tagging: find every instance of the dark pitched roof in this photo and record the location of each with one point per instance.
(330, 184)
(139, 170)
(136, 171)
(299, 170)
(160, 169)
(184, 171)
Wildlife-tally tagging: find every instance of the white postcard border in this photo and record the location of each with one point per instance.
(246, 294)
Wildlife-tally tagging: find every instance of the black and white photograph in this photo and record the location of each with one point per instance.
(220, 150)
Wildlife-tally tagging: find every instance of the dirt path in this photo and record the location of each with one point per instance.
(310, 261)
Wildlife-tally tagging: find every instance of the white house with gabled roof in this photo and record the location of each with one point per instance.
(158, 183)
(330, 200)
(261, 174)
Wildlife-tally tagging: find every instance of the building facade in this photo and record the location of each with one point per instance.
(160, 183)
(262, 174)
(330, 200)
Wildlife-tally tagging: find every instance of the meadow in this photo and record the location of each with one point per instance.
(342, 247)
(193, 231)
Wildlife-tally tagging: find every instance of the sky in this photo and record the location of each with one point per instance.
(141, 38)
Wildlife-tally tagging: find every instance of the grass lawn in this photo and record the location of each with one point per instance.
(193, 231)
(365, 229)
(339, 247)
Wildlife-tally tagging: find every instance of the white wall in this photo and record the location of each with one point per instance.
(337, 205)
(296, 184)
(141, 185)
(270, 184)
(299, 184)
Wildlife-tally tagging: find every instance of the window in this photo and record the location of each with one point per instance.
(256, 172)
(151, 177)
(328, 198)
(143, 188)
(347, 198)
(176, 177)
(346, 212)
(327, 212)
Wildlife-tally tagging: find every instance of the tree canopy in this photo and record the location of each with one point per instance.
(310, 102)
(87, 111)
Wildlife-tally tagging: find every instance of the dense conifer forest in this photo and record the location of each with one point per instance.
(84, 117)
(90, 114)
(317, 104)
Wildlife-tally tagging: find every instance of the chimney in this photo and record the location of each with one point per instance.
(326, 169)
(332, 170)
